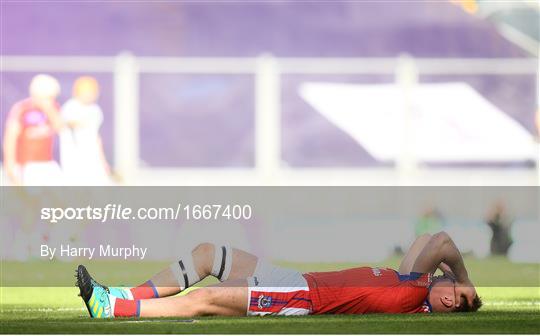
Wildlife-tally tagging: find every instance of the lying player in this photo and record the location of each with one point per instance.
(256, 288)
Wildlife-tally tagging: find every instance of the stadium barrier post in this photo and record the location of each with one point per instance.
(126, 116)
(406, 78)
(267, 119)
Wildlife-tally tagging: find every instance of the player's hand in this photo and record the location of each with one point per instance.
(466, 290)
(12, 175)
(447, 270)
(116, 177)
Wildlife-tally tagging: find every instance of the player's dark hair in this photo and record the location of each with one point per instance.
(465, 308)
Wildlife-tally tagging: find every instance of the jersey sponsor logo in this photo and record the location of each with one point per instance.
(36, 125)
(264, 302)
(34, 117)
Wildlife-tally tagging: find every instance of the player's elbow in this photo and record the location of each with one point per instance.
(441, 238)
(424, 237)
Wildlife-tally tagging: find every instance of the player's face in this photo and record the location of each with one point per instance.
(442, 296)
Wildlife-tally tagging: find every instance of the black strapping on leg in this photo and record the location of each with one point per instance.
(223, 258)
(186, 282)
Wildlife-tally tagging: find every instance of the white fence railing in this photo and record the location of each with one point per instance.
(267, 71)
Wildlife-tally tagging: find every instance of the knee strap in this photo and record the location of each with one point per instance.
(222, 262)
(184, 272)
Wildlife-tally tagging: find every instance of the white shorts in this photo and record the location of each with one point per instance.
(46, 173)
(274, 290)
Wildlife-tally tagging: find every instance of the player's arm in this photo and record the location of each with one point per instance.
(12, 131)
(418, 245)
(102, 156)
(408, 260)
(441, 249)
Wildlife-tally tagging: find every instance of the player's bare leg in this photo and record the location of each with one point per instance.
(206, 259)
(228, 298)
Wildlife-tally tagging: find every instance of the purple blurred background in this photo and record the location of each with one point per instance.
(208, 120)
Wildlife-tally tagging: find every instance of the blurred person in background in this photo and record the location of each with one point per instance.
(31, 127)
(430, 222)
(500, 224)
(81, 148)
(29, 135)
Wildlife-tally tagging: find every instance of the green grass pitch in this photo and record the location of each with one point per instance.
(508, 309)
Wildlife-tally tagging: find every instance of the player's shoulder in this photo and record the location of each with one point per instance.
(417, 279)
(413, 291)
(20, 107)
(24, 103)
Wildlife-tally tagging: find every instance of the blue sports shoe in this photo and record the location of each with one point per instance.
(94, 295)
(120, 293)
